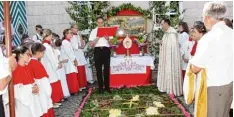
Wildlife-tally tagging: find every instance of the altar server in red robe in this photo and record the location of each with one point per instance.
(71, 66)
(27, 102)
(51, 65)
(41, 77)
(198, 31)
(61, 72)
(78, 46)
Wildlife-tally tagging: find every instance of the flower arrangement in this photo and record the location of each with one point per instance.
(141, 40)
(135, 98)
(117, 97)
(114, 113)
(158, 104)
(152, 111)
(132, 101)
(115, 44)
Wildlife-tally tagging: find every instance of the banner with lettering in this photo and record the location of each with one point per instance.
(133, 65)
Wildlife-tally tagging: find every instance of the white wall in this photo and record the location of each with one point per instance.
(50, 14)
(194, 11)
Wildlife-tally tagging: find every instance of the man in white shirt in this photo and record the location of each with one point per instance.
(2, 31)
(5, 76)
(215, 54)
(101, 56)
(38, 37)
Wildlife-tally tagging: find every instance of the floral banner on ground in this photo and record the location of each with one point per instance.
(131, 102)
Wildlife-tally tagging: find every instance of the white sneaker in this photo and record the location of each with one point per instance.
(91, 82)
(59, 104)
(55, 106)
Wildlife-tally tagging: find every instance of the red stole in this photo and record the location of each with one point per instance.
(46, 41)
(190, 39)
(194, 49)
(67, 39)
(22, 75)
(37, 69)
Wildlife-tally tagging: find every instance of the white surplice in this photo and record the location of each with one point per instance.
(169, 78)
(89, 73)
(68, 53)
(45, 92)
(62, 75)
(186, 49)
(79, 53)
(4, 73)
(50, 63)
(4, 69)
(183, 37)
(26, 103)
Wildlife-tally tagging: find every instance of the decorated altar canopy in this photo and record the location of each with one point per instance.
(84, 13)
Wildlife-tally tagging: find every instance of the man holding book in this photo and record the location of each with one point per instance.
(102, 54)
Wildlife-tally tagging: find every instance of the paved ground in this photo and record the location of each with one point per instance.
(70, 106)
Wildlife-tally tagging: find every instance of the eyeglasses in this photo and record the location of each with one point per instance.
(27, 53)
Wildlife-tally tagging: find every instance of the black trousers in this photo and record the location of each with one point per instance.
(102, 58)
(231, 113)
(2, 113)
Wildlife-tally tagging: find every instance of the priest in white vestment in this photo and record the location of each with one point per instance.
(169, 70)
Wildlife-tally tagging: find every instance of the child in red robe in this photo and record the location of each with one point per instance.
(27, 102)
(78, 44)
(71, 66)
(51, 65)
(41, 78)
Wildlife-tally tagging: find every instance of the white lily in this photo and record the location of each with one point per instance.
(158, 104)
(135, 98)
(152, 111)
(114, 113)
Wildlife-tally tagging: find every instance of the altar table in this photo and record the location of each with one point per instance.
(133, 71)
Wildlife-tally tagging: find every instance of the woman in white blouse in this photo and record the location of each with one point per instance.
(183, 42)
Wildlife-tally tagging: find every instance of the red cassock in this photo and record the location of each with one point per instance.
(39, 72)
(57, 91)
(50, 113)
(37, 69)
(23, 81)
(22, 75)
(73, 83)
(82, 76)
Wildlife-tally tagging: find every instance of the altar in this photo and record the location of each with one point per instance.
(132, 71)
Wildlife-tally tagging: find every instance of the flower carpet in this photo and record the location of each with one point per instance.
(143, 101)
